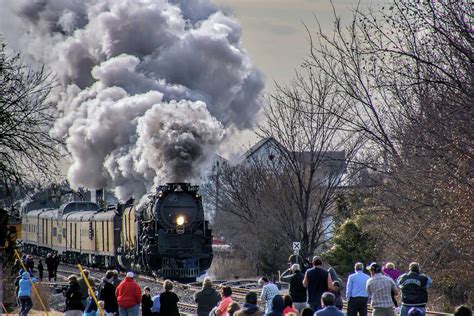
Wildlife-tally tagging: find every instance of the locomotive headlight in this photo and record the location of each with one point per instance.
(180, 221)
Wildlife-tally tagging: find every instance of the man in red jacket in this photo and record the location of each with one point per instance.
(129, 296)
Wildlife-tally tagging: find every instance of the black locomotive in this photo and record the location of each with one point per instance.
(174, 238)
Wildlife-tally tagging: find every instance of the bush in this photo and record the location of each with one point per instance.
(350, 245)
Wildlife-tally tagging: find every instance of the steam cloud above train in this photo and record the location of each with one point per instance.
(148, 89)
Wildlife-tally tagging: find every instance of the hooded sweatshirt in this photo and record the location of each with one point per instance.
(278, 305)
(24, 285)
(128, 293)
(249, 310)
(206, 300)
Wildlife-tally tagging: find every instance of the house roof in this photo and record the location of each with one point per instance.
(336, 160)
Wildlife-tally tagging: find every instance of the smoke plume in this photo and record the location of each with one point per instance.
(148, 88)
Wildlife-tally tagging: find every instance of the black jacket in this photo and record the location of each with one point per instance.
(297, 290)
(107, 294)
(206, 300)
(147, 304)
(50, 263)
(414, 289)
(73, 297)
(169, 304)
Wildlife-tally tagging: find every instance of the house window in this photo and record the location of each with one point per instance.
(55, 231)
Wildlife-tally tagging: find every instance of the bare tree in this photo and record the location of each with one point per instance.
(289, 194)
(406, 73)
(27, 150)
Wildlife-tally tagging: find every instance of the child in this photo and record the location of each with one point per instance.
(147, 302)
(91, 307)
(338, 294)
(288, 305)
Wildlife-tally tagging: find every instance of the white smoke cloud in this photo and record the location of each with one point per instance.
(148, 88)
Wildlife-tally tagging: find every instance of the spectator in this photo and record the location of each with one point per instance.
(289, 305)
(277, 306)
(57, 260)
(233, 307)
(379, 288)
(30, 263)
(415, 311)
(221, 309)
(84, 288)
(74, 305)
(462, 311)
(129, 296)
(334, 275)
(317, 281)
(117, 280)
(413, 286)
(90, 308)
(169, 300)
(389, 270)
(50, 266)
(269, 291)
(207, 298)
(107, 293)
(16, 267)
(297, 291)
(40, 270)
(328, 300)
(356, 292)
(250, 307)
(24, 293)
(308, 311)
(337, 293)
(155, 309)
(147, 302)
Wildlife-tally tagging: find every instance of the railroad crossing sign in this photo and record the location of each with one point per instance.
(296, 246)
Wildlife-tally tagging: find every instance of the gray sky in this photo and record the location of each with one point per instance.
(273, 31)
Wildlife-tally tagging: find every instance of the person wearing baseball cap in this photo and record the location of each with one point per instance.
(129, 296)
(379, 288)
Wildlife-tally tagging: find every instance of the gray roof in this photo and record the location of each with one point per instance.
(335, 160)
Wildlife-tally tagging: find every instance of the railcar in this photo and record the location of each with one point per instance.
(168, 236)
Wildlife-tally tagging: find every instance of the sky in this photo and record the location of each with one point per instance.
(274, 32)
(275, 37)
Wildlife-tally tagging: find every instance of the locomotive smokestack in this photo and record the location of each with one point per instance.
(148, 88)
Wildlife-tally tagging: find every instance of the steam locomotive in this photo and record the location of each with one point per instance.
(167, 237)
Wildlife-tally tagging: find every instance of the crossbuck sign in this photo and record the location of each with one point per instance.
(296, 246)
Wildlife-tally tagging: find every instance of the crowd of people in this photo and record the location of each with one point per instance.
(316, 291)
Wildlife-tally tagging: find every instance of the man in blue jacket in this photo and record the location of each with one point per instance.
(328, 300)
(413, 286)
(24, 293)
